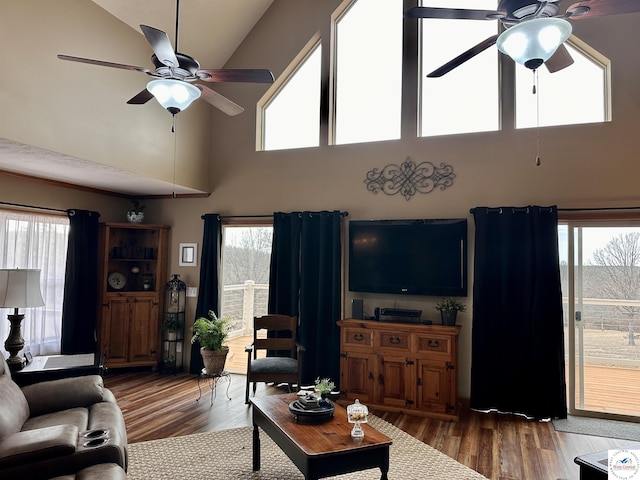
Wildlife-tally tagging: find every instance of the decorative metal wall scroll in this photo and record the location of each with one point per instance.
(409, 178)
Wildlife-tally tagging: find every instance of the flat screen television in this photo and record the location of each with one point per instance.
(413, 257)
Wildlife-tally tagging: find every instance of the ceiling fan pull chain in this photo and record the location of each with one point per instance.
(535, 92)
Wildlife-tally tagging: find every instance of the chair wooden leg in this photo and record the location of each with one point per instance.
(246, 392)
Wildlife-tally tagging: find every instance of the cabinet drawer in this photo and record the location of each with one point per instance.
(357, 337)
(394, 340)
(440, 344)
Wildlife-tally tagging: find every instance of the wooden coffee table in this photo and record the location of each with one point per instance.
(318, 449)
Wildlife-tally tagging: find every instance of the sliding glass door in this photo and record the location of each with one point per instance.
(600, 269)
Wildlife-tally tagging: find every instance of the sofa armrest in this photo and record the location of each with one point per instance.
(57, 395)
(37, 445)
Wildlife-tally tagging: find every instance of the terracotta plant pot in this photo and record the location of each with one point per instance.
(214, 360)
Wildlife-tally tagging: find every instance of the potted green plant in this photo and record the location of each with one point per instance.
(449, 308)
(136, 212)
(324, 386)
(211, 332)
(171, 325)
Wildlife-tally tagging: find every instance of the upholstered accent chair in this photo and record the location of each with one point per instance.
(283, 360)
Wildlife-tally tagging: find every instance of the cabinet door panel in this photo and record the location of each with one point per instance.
(394, 384)
(143, 330)
(115, 330)
(357, 376)
(434, 387)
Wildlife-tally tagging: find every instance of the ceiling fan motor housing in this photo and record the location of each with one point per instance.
(186, 69)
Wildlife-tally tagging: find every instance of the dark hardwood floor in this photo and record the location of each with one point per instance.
(498, 446)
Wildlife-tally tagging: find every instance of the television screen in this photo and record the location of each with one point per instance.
(414, 257)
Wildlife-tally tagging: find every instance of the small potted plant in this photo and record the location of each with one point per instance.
(324, 386)
(449, 308)
(171, 325)
(211, 332)
(136, 212)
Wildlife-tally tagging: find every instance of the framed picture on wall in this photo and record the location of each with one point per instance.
(188, 254)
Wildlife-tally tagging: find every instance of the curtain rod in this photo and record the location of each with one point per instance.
(344, 214)
(598, 209)
(34, 206)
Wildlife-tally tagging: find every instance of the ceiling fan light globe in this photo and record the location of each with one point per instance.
(533, 42)
(174, 95)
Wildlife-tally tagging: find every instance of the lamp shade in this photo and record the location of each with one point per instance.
(20, 288)
(533, 42)
(174, 95)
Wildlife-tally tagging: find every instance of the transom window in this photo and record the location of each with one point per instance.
(368, 71)
(368, 77)
(576, 94)
(291, 115)
(467, 98)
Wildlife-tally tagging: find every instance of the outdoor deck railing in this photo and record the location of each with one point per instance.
(243, 302)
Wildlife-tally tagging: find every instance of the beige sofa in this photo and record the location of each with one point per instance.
(61, 427)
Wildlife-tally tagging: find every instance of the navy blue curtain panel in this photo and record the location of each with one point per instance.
(210, 268)
(305, 281)
(518, 338)
(81, 284)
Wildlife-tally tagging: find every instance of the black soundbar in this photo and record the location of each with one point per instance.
(400, 312)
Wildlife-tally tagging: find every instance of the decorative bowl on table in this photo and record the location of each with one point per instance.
(312, 407)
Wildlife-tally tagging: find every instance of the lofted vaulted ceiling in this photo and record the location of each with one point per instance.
(209, 30)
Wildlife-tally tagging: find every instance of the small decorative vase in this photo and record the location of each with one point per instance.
(135, 217)
(324, 401)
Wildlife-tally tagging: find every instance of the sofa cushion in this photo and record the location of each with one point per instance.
(11, 419)
(73, 416)
(55, 395)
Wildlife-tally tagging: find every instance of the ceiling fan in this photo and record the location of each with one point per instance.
(176, 73)
(525, 20)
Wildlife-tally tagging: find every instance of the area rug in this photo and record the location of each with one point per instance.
(228, 455)
(599, 427)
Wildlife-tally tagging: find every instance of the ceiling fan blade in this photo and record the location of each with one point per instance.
(463, 57)
(218, 101)
(161, 45)
(559, 60)
(454, 13)
(104, 64)
(141, 98)
(236, 75)
(599, 8)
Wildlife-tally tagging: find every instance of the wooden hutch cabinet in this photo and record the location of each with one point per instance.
(132, 273)
(400, 367)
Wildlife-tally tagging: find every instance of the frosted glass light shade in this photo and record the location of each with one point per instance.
(533, 42)
(20, 288)
(174, 95)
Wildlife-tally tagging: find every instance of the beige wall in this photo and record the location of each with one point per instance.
(582, 166)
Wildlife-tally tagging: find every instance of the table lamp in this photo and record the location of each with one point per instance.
(19, 288)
